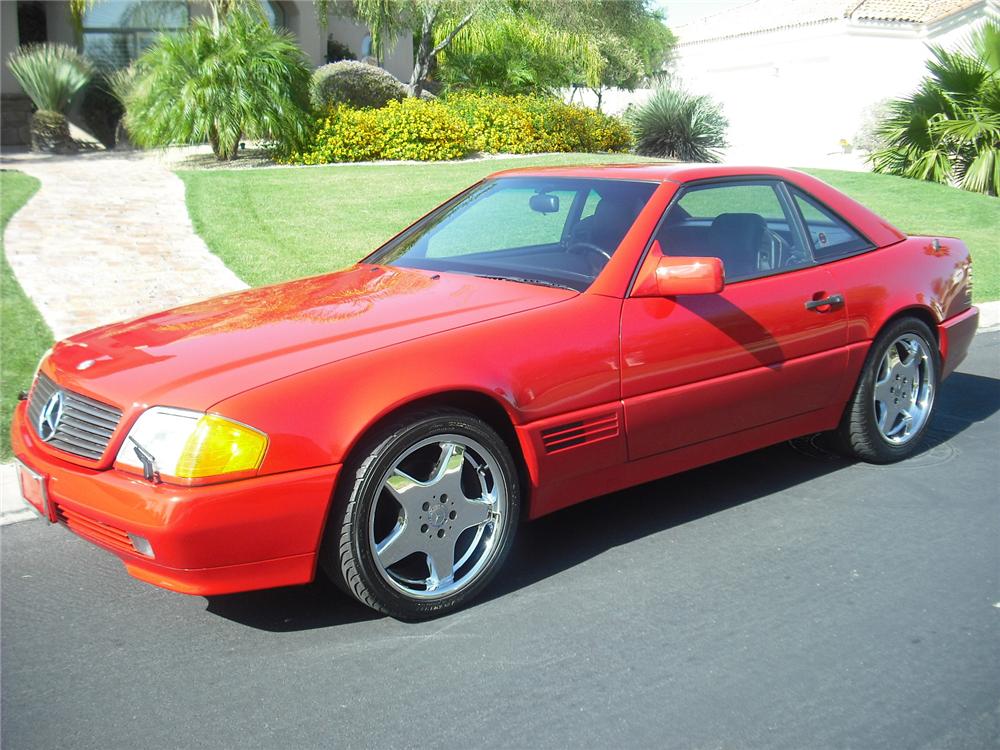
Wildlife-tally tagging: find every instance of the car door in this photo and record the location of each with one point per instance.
(769, 347)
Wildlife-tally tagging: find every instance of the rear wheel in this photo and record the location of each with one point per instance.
(425, 516)
(893, 401)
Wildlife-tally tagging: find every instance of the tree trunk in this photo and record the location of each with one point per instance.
(122, 140)
(425, 51)
(50, 133)
(220, 154)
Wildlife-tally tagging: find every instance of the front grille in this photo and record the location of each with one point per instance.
(96, 531)
(86, 425)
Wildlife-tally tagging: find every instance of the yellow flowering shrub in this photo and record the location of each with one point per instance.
(413, 129)
(498, 124)
(533, 124)
(422, 130)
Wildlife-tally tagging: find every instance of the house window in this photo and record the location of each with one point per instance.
(116, 32)
(31, 23)
(275, 14)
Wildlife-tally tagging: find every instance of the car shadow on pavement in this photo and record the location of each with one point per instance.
(572, 536)
(319, 604)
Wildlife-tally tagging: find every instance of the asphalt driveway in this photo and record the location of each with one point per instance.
(784, 599)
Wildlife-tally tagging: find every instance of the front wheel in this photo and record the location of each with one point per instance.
(894, 398)
(425, 516)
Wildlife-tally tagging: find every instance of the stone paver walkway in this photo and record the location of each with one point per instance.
(107, 237)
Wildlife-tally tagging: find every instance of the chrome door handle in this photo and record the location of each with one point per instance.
(833, 300)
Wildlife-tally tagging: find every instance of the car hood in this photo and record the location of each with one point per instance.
(197, 355)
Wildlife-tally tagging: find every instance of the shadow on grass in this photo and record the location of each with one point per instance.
(570, 537)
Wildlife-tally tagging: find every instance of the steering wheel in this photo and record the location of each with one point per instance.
(784, 254)
(773, 253)
(581, 247)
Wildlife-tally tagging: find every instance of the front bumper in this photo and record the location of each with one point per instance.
(217, 539)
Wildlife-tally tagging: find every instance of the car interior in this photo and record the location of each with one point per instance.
(747, 243)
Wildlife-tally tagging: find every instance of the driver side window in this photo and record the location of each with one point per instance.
(747, 225)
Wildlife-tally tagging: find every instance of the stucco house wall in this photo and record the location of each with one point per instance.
(794, 92)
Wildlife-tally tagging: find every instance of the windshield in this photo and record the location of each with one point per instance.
(551, 231)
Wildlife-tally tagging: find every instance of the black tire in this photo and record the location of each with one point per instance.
(859, 435)
(347, 555)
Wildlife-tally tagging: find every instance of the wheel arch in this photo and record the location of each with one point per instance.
(923, 314)
(477, 403)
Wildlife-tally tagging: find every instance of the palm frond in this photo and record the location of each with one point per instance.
(977, 123)
(982, 175)
(984, 44)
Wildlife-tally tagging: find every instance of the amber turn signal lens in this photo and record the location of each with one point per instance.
(220, 446)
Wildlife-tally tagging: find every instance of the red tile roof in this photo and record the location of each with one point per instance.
(757, 16)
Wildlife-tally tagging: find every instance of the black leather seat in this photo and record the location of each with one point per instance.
(737, 239)
(612, 218)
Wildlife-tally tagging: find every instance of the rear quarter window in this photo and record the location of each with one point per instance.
(831, 236)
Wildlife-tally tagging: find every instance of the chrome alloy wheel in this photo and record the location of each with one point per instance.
(439, 512)
(904, 389)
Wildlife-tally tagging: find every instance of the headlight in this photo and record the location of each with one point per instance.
(176, 444)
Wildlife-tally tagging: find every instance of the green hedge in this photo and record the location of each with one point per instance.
(450, 129)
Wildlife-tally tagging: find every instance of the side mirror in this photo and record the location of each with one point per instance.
(666, 276)
(689, 276)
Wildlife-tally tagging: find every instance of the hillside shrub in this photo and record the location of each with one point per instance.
(355, 84)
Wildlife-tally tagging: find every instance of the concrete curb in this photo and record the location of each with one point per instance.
(989, 316)
(13, 508)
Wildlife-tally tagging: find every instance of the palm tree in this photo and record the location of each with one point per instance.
(949, 130)
(51, 75)
(219, 81)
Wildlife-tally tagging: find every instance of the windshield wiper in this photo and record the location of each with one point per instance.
(523, 280)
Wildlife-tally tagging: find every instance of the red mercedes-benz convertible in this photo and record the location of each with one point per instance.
(545, 336)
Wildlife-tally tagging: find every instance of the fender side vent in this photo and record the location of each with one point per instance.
(575, 434)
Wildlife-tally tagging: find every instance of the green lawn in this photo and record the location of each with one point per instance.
(274, 224)
(23, 334)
